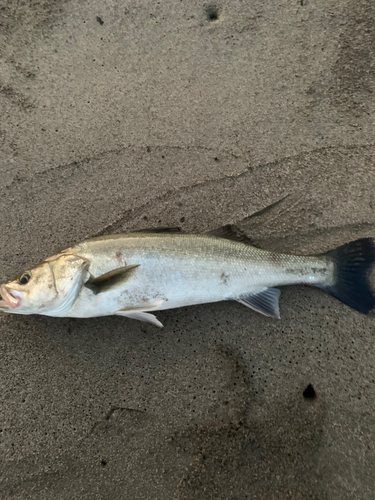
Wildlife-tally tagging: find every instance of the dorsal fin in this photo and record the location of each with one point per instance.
(158, 230)
(230, 232)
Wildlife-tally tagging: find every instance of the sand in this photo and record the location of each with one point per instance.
(123, 115)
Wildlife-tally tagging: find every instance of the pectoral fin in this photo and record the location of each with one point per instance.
(141, 315)
(111, 280)
(265, 302)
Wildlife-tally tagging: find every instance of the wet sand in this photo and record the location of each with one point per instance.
(175, 113)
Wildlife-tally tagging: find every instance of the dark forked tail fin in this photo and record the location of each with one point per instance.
(353, 262)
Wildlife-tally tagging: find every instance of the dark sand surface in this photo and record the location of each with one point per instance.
(121, 115)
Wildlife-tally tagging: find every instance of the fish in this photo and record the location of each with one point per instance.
(137, 273)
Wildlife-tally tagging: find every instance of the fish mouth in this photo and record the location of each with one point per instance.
(8, 299)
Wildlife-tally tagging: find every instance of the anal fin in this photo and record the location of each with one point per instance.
(265, 302)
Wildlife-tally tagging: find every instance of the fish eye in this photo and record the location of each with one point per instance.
(25, 278)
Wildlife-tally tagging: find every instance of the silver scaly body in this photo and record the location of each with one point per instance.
(178, 270)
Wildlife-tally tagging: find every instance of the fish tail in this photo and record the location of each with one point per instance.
(353, 262)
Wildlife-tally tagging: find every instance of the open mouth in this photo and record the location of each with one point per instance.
(7, 299)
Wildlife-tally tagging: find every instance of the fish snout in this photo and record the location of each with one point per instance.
(9, 297)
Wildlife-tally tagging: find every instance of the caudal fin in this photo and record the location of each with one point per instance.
(353, 262)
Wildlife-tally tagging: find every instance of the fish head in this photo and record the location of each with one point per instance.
(50, 288)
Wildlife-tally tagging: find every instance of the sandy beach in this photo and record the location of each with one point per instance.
(125, 115)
